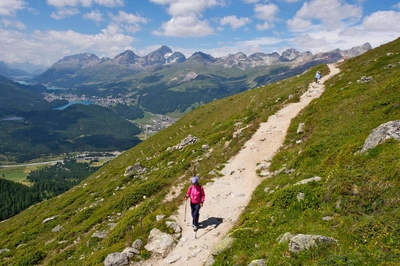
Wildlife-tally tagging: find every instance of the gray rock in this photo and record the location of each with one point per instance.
(300, 196)
(381, 134)
(303, 242)
(284, 238)
(100, 234)
(174, 226)
(135, 169)
(56, 229)
(300, 128)
(49, 219)
(159, 243)
(137, 244)
(116, 259)
(260, 262)
(308, 180)
(4, 250)
(210, 261)
(130, 252)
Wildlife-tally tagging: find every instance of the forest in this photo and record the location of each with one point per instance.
(46, 183)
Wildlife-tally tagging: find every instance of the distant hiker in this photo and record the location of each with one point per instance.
(197, 196)
(317, 77)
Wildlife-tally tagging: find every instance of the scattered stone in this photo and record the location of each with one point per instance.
(116, 259)
(300, 128)
(381, 134)
(284, 238)
(364, 79)
(185, 142)
(56, 229)
(238, 195)
(173, 258)
(308, 180)
(137, 244)
(210, 261)
(130, 252)
(160, 217)
(302, 242)
(4, 250)
(300, 196)
(327, 218)
(205, 147)
(174, 226)
(136, 169)
(49, 219)
(100, 234)
(260, 262)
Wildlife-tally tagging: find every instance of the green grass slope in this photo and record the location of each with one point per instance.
(358, 191)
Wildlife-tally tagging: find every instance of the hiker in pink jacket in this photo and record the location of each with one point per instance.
(197, 196)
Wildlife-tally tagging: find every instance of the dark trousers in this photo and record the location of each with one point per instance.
(195, 213)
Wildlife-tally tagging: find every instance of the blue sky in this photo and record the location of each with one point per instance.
(44, 31)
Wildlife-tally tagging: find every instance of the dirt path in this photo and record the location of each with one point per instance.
(229, 195)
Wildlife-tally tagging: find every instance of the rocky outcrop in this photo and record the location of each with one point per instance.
(136, 169)
(185, 142)
(381, 134)
(116, 259)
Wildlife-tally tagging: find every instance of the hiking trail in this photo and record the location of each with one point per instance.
(228, 195)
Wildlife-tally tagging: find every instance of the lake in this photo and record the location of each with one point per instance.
(71, 103)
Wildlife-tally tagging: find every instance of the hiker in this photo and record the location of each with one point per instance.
(317, 77)
(197, 196)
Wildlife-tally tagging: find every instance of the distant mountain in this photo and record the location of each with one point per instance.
(28, 67)
(163, 76)
(10, 72)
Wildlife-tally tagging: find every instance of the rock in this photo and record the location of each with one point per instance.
(174, 226)
(173, 259)
(100, 234)
(308, 180)
(261, 262)
(116, 259)
(159, 243)
(284, 238)
(4, 250)
(210, 261)
(135, 169)
(49, 219)
(205, 147)
(56, 229)
(137, 244)
(300, 196)
(327, 218)
(303, 242)
(364, 79)
(185, 142)
(300, 128)
(222, 245)
(381, 134)
(130, 252)
(160, 217)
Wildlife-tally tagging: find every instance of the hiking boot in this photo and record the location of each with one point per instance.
(194, 228)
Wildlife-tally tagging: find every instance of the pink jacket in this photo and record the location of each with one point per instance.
(196, 194)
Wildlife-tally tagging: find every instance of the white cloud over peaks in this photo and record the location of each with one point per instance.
(94, 15)
(331, 14)
(9, 7)
(266, 12)
(186, 17)
(234, 21)
(382, 21)
(130, 22)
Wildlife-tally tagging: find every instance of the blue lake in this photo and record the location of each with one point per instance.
(71, 103)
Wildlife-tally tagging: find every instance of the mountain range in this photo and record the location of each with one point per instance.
(164, 81)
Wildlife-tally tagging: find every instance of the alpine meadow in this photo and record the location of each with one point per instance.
(350, 209)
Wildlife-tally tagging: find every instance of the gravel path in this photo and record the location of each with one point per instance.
(227, 196)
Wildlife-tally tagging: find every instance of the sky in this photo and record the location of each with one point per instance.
(44, 31)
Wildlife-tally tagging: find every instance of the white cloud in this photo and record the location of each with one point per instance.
(94, 15)
(234, 21)
(189, 26)
(130, 22)
(330, 13)
(396, 5)
(266, 12)
(85, 3)
(13, 24)
(382, 21)
(265, 26)
(10, 7)
(186, 18)
(64, 13)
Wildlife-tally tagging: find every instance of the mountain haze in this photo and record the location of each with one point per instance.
(355, 203)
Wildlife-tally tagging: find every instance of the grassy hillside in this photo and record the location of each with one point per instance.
(358, 191)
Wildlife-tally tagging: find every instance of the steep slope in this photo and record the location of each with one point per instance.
(114, 207)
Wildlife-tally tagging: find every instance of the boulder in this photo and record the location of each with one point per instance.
(224, 244)
(302, 242)
(116, 259)
(159, 243)
(381, 134)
